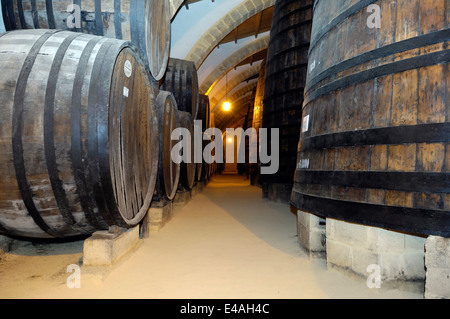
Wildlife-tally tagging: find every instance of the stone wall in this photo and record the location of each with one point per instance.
(437, 263)
(311, 234)
(359, 249)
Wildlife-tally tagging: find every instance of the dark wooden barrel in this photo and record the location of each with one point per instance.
(78, 138)
(259, 98)
(169, 171)
(204, 112)
(182, 80)
(188, 168)
(283, 94)
(145, 22)
(375, 144)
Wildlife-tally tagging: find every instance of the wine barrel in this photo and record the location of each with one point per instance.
(169, 171)
(203, 115)
(286, 70)
(374, 148)
(145, 22)
(182, 80)
(188, 167)
(78, 138)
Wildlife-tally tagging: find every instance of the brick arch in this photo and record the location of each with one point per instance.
(233, 82)
(233, 60)
(225, 120)
(236, 95)
(211, 38)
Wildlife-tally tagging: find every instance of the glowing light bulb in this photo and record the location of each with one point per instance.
(226, 106)
(230, 140)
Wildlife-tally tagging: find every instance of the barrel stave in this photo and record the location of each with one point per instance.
(188, 166)
(168, 171)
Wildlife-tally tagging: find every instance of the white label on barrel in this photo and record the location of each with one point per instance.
(125, 91)
(128, 68)
(305, 126)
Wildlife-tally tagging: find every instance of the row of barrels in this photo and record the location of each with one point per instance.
(85, 135)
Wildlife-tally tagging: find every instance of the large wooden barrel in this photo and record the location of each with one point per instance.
(286, 69)
(78, 138)
(182, 80)
(375, 143)
(204, 111)
(145, 22)
(169, 171)
(259, 98)
(189, 167)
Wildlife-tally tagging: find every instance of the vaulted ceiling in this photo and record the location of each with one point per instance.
(227, 40)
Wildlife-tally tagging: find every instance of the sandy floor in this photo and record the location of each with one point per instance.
(226, 243)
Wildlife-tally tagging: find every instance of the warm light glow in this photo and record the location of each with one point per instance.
(226, 106)
(230, 140)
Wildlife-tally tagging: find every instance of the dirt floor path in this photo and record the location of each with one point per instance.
(226, 243)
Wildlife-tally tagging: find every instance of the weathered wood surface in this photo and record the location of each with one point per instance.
(78, 138)
(182, 80)
(144, 22)
(376, 147)
(169, 171)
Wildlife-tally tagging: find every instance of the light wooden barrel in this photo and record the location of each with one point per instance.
(169, 171)
(145, 22)
(78, 138)
(188, 168)
(286, 67)
(375, 147)
(182, 80)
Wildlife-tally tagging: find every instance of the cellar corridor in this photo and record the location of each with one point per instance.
(227, 242)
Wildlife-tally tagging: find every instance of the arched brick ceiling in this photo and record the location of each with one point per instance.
(236, 77)
(222, 37)
(224, 120)
(232, 93)
(223, 26)
(232, 61)
(236, 99)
